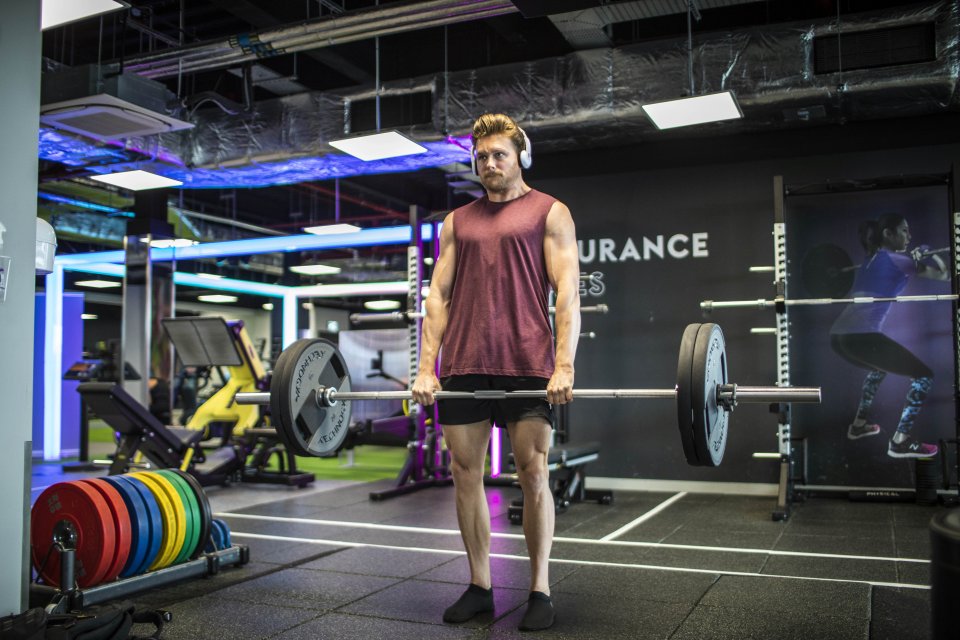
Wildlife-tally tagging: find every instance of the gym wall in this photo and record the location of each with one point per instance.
(720, 219)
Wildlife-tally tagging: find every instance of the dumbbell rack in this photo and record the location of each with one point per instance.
(57, 601)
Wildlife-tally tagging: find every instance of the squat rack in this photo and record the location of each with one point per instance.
(786, 490)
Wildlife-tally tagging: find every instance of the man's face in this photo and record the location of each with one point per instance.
(498, 163)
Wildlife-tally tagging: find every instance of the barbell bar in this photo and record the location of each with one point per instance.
(709, 305)
(410, 316)
(728, 395)
(310, 396)
(827, 270)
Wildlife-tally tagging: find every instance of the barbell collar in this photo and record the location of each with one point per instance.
(252, 397)
(771, 394)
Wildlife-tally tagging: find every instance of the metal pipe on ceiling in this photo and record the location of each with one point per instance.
(388, 28)
(314, 34)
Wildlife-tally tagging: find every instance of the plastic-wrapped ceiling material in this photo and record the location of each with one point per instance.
(594, 97)
(585, 99)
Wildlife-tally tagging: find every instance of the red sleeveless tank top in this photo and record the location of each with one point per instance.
(499, 322)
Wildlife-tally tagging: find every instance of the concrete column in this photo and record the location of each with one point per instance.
(19, 111)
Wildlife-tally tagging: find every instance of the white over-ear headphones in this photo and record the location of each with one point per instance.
(526, 154)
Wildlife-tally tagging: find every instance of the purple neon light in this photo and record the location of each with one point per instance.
(101, 159)
(495, 453)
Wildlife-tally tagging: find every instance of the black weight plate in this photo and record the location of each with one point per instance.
(206, 513)
(275, 377)
(826, 271)
(684, 392)
(308, 428)
(709, 418)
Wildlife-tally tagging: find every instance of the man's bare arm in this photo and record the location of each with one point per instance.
(437, 312)
(563, 270)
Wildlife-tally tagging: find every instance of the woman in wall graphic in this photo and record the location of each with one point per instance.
(858, 337)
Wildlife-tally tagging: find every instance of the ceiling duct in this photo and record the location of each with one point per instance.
(587, 28)
(100, 103)
(590, 99)
(314, 34)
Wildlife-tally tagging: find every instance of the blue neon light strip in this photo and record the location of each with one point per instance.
(52, 368)
(228, 284)
(353, 289)
(260, 288)
(80, 204)
(98, 268)
(250, 246)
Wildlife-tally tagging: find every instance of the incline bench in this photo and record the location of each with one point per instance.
(166, 447)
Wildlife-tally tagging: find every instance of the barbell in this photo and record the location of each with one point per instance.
(412, 316)
(709, 305)
(826, 270)
(310, 396)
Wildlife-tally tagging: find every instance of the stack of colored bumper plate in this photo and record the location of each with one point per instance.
(123, 525)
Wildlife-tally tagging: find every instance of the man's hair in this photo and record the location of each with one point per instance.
(491, 124)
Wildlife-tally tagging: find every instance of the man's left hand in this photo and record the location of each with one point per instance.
(560, 387)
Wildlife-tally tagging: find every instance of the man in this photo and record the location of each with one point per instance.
(488, 307)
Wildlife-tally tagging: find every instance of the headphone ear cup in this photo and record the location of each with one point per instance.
(526, 156)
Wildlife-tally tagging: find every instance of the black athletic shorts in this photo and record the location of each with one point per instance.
(498, 412)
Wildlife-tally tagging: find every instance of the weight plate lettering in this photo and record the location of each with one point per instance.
(709, 417)
(307, 428)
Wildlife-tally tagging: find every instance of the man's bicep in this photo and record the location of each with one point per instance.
(560, 243)
(446, 269)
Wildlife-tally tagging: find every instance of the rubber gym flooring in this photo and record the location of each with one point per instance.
(326, 562)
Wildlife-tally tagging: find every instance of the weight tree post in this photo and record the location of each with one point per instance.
(785, 485)
(423, 466)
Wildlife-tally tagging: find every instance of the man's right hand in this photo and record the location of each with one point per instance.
(423, 388)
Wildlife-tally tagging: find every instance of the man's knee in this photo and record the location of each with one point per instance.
(463, 473)
(533, 474)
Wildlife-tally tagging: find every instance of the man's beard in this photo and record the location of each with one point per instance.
(496, 183)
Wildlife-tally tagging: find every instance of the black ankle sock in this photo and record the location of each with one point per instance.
(474, 600)
(539, 613)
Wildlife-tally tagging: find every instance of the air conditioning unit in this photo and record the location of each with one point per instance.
(106, 105)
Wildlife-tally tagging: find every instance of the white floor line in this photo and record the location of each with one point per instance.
(649, 514)
(594, 563)
(561, 539)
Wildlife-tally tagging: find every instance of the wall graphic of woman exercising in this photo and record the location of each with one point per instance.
(857, 335)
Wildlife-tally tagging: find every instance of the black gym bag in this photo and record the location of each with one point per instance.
(106, 622)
